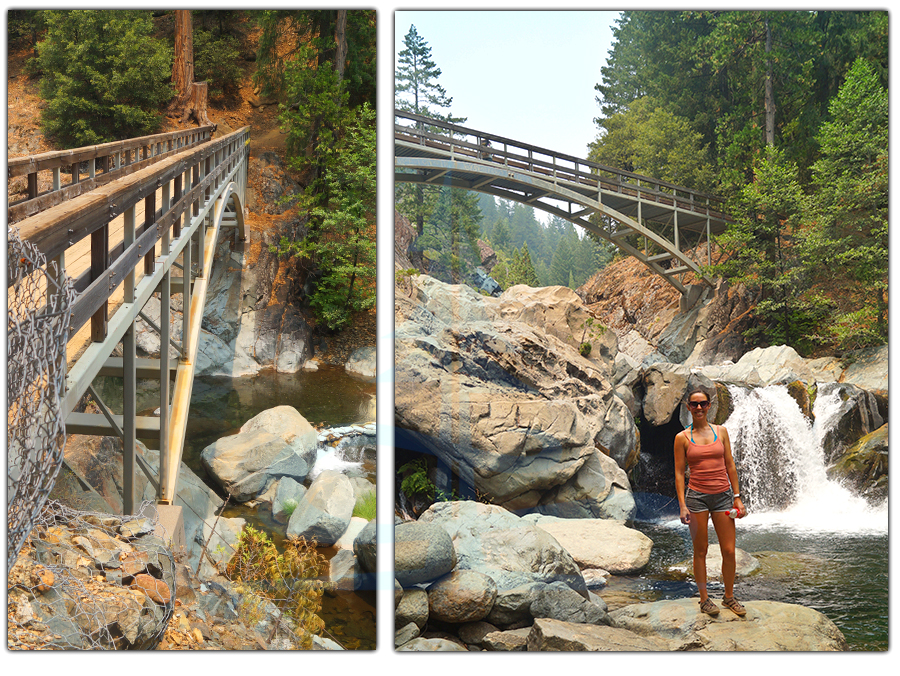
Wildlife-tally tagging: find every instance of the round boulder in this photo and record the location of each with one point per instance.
(413, 607)
(325, 510)
(364, 546)
(462, 596)
(422, 552)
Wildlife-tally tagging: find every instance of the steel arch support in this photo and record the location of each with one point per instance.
(533, 188)
(184, 374)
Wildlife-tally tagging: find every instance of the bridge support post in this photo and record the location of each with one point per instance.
(129, 384)
(186, 301)
(164, 319)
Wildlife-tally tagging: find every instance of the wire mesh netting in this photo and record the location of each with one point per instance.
(39, 306)
(91, 581)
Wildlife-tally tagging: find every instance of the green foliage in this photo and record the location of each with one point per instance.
(291, 580)
(404, 279)
(365, 507)
(288, 506)
(103, 75)
(768, 214)
(450, 234)
(848, 243)
(416, 89)
(416, 483)
(709, 67)
(340, 244)
(647, 139)
(216, 60)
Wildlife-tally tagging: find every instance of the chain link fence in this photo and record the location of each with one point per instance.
(91, 581)
(40, 299)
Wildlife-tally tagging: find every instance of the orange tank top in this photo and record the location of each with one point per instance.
(707, 465)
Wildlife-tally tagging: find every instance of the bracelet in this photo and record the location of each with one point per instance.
(737, 495)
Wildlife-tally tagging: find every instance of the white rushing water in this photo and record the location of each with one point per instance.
(782, 466)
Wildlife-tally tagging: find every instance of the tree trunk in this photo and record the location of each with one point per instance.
(340, 39)
(196, 105)
(770, 93)
(183, 65)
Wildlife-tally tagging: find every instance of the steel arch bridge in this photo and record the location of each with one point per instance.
(670, 220)
(124, 221)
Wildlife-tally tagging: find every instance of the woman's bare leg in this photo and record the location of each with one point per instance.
(725, 531)
(700, 537)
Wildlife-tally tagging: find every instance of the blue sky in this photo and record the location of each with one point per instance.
(526, 75)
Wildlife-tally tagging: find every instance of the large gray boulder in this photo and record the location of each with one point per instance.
(287, 422)
(422, 552)
(549, 635)
(508, 549)
(362, 363)
(855, 415)
(365, 547)
(239, 463)
(325, 510)
(599, 543)
(768, 626)
(600, 489)
(558, 601)
(288, 494)
(497, 390)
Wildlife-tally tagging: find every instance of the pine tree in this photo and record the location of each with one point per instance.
(103, 75)
(417, 91)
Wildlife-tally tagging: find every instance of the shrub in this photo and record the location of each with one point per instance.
(215, 60)
(288, 506)
(291, 581)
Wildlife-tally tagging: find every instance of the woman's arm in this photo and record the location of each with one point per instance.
(680, 461)
(731, 469)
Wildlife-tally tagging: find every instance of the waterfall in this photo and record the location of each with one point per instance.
(781, 465)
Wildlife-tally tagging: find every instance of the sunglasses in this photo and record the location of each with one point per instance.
(698, 404)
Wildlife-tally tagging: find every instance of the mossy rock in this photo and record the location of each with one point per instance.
(864, 468)
(725, 404)
(800, 394)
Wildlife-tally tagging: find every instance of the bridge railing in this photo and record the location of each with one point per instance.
(59, 228)
(74, 172)
(469, 145)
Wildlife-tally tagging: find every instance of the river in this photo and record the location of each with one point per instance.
(327, 397)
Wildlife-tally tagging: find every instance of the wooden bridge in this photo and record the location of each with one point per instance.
(669, 220)
(127, 220)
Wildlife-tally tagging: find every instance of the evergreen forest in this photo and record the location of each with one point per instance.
(108, 75)
(782, 113)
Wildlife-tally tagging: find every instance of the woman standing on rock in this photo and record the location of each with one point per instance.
(712, 490)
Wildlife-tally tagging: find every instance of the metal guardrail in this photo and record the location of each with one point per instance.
(551, 164)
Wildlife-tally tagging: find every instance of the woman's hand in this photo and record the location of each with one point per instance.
(739, 506)
(685, 514)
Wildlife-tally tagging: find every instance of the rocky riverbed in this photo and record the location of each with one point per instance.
(554, 453)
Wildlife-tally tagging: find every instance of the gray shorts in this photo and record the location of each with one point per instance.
(709, 502)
